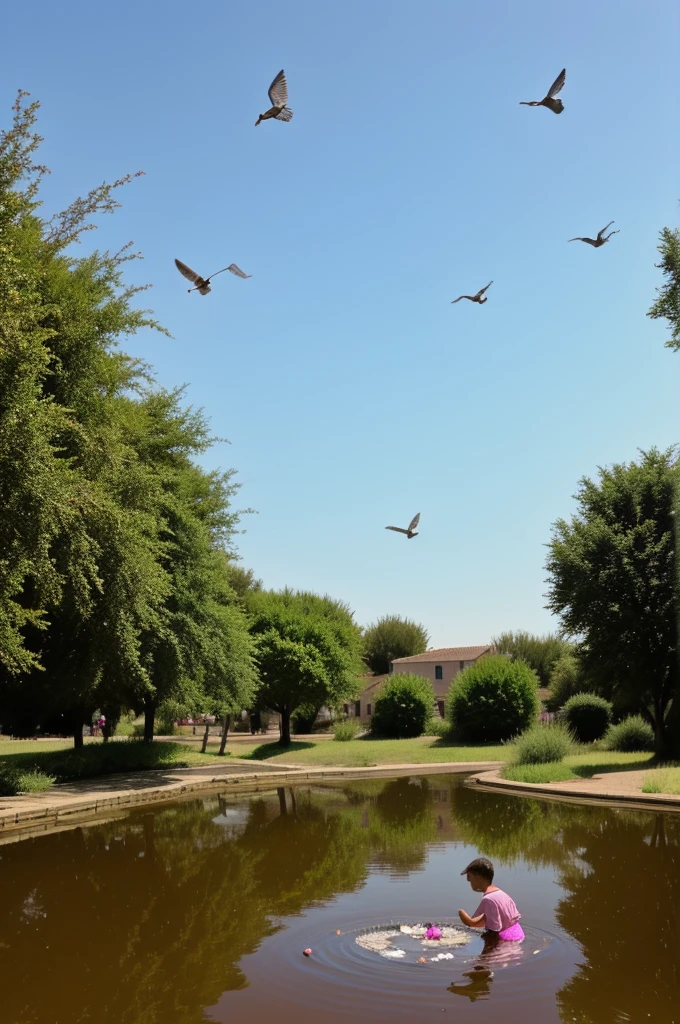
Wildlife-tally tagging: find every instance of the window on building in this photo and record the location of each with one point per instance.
(369, 709)
(438, 672)
(357, 708)
(462, 665)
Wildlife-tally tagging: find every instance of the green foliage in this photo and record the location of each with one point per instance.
(542, 744)
(539, 652)
(14, 781)
(551, 771)
(566, 679)
(492, 700)
(632, 734)
(308, 651)
(346, 729)
(437, 726)
(587, 716)
(612, 580)
(667, 305)
(116, 546)
(392, 637)
(403, 707)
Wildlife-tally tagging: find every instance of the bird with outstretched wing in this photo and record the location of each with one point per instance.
(411, 531)
(474, 298)
(601, 238)
(202, 284)
(550, 101)
(278, 97)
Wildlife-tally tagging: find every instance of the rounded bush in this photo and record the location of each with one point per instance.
(587, 716)
(630, 735)
(403, 707)
(493, 700)
(566, 680)
(542, 744)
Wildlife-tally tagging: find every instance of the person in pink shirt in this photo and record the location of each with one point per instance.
(497, 912)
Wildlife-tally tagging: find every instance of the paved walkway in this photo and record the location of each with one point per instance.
(86, 799)
(613, 787)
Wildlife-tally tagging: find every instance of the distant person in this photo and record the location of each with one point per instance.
(497, 912)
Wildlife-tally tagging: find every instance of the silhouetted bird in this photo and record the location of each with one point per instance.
(203, 283)
(600, 240)
(411, 527)
(474, 298)
(549, 101)
(278, 97)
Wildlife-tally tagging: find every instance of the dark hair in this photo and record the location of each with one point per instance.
(481, 866)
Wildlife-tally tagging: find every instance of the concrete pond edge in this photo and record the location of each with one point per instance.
(26, 815)
(576, 793)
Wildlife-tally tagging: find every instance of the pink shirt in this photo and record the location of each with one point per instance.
(499, 910)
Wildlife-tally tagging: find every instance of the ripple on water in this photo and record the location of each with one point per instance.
(348, 965)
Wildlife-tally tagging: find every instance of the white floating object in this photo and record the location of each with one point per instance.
(393, 953)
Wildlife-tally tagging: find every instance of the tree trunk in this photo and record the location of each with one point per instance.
(78, 736)
(225, 730)
(149, 717)
(284, 741)
(204, 744)
(282, 800)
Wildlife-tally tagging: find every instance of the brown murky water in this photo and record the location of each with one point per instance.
(200, 911)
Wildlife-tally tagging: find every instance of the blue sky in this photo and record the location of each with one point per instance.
(352, 392)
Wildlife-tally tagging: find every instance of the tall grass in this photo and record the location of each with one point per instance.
(631, 734)
(542, 744)
(346, 729)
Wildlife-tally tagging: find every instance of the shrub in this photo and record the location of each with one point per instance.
(542, 744)
(492, 700)
(437, 726)
(566, 680)
(587, 716)
(14, 780)
(630, 735)
(346, 729)
(403, 707)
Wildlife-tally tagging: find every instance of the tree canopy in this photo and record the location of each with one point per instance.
(308, 651)
(115, 578)
(667, 305)
(539, 652)
(612, 581)
(392, 637)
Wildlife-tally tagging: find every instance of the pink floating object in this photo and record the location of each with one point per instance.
(433, 932)
(307, 952)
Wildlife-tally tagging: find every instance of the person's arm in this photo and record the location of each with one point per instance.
(472, 922)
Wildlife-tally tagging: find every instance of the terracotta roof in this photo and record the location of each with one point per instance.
(446, 654)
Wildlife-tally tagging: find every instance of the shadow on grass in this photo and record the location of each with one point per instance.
(586, 771)
(267, 750)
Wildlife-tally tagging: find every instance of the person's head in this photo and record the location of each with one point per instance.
(479, 874)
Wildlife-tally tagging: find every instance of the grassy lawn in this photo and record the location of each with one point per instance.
(662, 780)
(63, 764)
(365, 753)
(577, 766)
(30, 746)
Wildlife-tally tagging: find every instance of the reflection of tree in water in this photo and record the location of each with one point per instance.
(144, 920)
(623, 908)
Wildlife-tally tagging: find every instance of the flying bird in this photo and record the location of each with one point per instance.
(549, 101)
(411, 532)
(601, 238)
(278, 97)
(474, 298)
(202, 284)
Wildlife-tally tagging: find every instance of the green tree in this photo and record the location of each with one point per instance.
(308, 651)
(667, 305)
(392, 637)
(539, 652)
(612, 581)
(567, 678)
(494, 699)
(403, 707)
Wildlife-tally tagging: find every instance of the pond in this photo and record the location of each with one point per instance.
(200, 910)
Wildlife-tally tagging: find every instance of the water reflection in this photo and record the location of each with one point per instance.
(148, 918)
